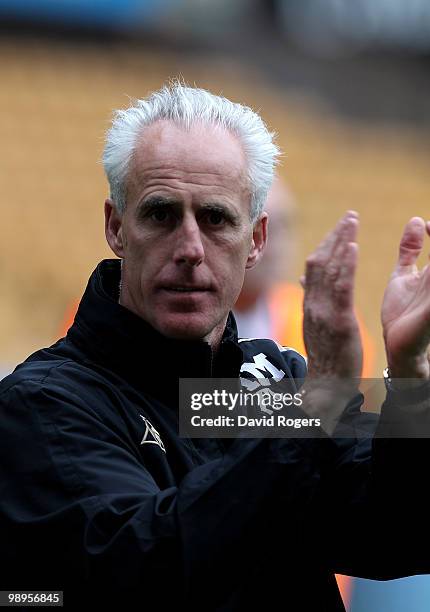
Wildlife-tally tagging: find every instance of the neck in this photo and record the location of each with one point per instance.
(215, 336)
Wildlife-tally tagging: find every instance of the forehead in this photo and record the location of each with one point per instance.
(203, 153)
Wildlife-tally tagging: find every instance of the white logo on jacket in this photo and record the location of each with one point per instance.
(151, 435)
(261, 368)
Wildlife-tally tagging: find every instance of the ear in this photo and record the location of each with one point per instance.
(113, 228)
(259, 239)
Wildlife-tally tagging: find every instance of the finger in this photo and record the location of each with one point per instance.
(327, 246)
(321, 264)
(344, 286)
(411, 244)
(336, 262)
(348, 234)
(351, 229)
(428, 230)
(303, 281)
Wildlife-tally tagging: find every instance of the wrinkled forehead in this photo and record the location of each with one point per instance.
(203, 149)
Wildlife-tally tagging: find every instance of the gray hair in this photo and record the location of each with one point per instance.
(185, 106)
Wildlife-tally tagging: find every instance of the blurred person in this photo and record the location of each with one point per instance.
(102, 499)
(270, 305)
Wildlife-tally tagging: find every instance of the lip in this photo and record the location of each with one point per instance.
(185, 290)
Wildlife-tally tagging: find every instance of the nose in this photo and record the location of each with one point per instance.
(188, 248)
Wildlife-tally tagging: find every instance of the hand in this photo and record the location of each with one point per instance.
(405, 310)
(330, 328)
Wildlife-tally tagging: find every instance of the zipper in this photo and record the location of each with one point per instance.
(211, 363)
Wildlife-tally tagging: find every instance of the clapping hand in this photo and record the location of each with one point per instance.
(330, 328)
(406, 308)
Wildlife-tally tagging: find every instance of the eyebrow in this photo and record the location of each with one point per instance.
(231, 215)
(153, 202)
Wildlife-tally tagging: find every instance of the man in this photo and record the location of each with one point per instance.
(99, 497)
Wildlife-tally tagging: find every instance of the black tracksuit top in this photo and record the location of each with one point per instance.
(201, 524)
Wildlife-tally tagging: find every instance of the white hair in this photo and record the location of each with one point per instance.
(185, 106)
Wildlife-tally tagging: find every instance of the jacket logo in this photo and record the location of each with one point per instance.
(260, 369)
(151, 435)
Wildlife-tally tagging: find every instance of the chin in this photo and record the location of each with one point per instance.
(185, 328)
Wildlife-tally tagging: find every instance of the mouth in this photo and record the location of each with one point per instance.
(185, 289)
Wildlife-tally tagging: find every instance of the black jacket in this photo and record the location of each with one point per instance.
(94, 504)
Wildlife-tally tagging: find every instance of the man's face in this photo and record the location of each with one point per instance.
(185, 236)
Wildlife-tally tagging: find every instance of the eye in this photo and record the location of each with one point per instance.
(159, 215)
(215, 217)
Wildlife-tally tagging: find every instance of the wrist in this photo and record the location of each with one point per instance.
(412, 368)
(402, 382)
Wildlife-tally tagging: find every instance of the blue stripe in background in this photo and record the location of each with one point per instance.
(85, 12)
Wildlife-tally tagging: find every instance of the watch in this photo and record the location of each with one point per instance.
(388, 380)
(390, 386)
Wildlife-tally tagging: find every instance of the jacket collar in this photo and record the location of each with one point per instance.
(116, 338)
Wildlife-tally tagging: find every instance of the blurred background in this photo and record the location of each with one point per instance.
(344, 84)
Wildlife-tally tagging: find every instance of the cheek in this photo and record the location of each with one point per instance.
(138, 265)
(141, 250)
(235, 272)
(236, 246)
